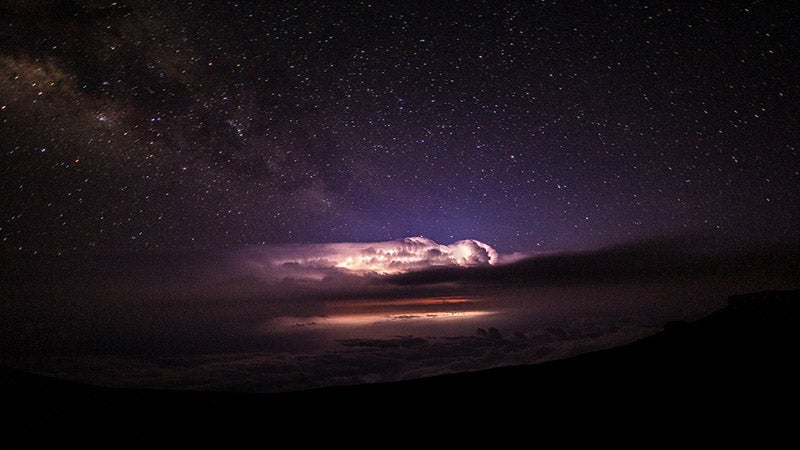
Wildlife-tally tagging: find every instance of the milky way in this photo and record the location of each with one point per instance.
(532, 126)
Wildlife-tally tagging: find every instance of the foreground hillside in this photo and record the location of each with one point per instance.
(730, 374)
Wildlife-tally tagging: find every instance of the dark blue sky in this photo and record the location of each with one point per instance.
(166, 126)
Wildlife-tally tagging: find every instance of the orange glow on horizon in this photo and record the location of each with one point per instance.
(355, 313)
(367, 318)
(449, 300)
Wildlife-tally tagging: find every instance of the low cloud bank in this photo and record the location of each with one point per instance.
(657, 260)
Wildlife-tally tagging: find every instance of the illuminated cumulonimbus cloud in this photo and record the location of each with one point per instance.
(382, 258)
(412, 254)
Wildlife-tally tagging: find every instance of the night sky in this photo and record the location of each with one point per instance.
(146, 126)
(298, 131)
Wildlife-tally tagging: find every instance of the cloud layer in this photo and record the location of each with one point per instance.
(350, 361)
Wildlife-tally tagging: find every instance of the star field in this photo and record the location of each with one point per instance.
(156, 126)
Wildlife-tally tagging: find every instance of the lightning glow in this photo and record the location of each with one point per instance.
(371, 258)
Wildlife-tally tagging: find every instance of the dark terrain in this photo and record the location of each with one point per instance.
(729, 377)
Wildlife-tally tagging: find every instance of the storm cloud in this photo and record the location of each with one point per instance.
(405, 255)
